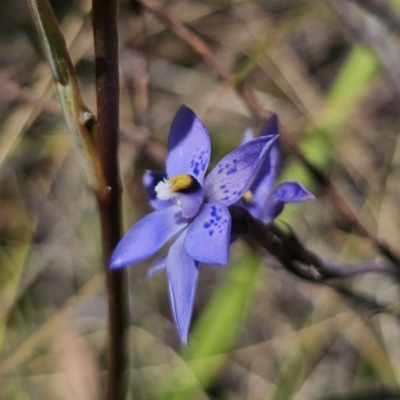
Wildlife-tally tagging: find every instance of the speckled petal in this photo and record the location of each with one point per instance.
(209, 235)
(189, 145)
(146, 236)
(183, 273)
(287, 192)
(235, 173)
(150, 181)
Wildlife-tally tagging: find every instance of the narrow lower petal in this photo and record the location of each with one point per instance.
(209, 235)
(158, 266)
(287, 192)
(235, 173)
(183, 273)
(147, 236)
(189, 145)
(150, 180)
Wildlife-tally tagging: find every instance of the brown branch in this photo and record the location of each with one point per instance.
(259, 112)
(107, 93)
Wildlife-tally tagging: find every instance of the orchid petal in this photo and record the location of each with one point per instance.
(150, 180)
(247, 135)
(235, 173)
(183, 273)
(265, 180)
(209, 235)
(147, 236)
(158, 266)
(264, 183)
(271, 127)
(287, 192)
(189, 146)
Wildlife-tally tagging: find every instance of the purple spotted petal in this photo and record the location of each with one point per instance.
(209, 235)
(158, 266)
(189, 146)
(287, 192)
(190, 202)
(183, 274)
(147, 236)
(235, 173)
(150, 181)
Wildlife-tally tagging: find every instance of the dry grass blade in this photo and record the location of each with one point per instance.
(25, 350)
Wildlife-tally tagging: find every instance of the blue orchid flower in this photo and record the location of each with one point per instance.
(191, 209)
(262, 201)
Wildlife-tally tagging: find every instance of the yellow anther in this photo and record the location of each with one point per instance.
(180, 182)
(248, 196)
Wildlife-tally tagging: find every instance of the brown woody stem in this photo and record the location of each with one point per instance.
(107, 91)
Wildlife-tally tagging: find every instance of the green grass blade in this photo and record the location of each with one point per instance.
(80, 120)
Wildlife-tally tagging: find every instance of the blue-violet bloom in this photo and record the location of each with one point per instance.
(262, 201)
(191, 210)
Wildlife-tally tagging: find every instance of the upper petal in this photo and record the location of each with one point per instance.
(265, 180)
(235, 173)
(150, 181)
(189, 145)
(287, 192)
(183, 273)
(269, 167)
(147, 236)
(268, 129)
(247, 135)
(271, 127)
(209, 235)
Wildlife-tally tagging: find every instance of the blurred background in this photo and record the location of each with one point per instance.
(331, 71)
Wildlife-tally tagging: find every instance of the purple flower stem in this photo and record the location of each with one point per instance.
(295, 258)
(107, 93)
(290, 252)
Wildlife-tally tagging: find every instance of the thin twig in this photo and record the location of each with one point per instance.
(259, 112)
(107, 91)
